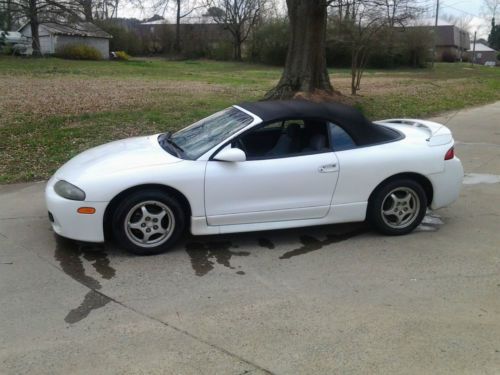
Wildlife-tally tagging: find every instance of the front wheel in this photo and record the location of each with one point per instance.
(148, 222)
(397, 207)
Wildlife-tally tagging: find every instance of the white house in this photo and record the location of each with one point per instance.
(482, 54)
(54, 36)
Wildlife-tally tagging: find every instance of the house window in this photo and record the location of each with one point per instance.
(479, 55)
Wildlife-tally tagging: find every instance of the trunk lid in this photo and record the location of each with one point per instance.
(435, 134)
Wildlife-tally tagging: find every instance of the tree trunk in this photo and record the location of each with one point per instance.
(33, 17)
(354, 64)
(87, 10)
(237, 47)
(305, 67)
(177, 43)
(9, 15)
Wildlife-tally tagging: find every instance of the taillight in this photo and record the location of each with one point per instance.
(450, 154)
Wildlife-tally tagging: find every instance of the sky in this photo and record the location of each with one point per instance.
(472, 9)
(469, 8)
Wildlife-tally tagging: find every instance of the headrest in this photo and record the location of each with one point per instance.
(293, 130)
(317, 142)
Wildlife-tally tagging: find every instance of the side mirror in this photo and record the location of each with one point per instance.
(231, 154)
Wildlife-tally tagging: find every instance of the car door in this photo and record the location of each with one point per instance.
(275, 188)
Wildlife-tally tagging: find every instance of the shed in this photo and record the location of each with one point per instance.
(482, 54)
(54, 36)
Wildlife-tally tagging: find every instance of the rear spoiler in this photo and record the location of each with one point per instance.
(437, 134)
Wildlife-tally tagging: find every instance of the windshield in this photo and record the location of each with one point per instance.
(205, 134)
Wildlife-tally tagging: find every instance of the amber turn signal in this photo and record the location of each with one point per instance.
(86, 210)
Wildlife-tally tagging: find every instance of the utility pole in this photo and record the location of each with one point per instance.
(473, 60)
(435, 33)
(8, 21)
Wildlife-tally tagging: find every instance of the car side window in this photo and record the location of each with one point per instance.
(340, 140)
(290, 137)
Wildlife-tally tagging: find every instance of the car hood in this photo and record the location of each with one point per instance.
(116, 158)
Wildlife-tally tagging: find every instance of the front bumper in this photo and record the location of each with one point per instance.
(67, 222)
(447, 184)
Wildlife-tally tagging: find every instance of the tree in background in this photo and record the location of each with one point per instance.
(104, 9)
(239, 17)
(359, 24)
(494, 37)
(362, 29)
(182, 8)
(268, 42)
(305, 67)
(416, 44)
(491, 9)
(39, 11)
(395, 14)
(6, 15)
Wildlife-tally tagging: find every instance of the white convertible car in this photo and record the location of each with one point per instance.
(256, 166)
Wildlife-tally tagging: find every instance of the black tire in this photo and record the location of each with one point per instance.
(387, 206)
(130, 222)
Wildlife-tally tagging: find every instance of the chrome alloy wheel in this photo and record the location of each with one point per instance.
(149, 223)
(400, 207)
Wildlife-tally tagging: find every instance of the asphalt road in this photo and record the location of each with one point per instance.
(326, 300)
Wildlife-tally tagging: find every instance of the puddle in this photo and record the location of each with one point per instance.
(204, 255)
(431, 223)
(480, 178)
(310, 243)
(70, 255)
(264, 242)
(91, 301)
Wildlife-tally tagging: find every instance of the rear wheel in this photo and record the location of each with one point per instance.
(397, 207)
(148, 222)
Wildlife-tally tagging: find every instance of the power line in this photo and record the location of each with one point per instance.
(459, 10)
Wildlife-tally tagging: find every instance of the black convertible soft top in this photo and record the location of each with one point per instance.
(363, 131)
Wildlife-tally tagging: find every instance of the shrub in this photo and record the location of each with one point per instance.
(123, 39)
(270, 43)
(498, 56)
(79, 52)
(6, 50)
(448, 56)
(220, 51)
(121, 55)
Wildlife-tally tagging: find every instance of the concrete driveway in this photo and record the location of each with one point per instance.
(326, 300)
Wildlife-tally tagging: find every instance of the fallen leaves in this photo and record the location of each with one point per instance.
(65, 95)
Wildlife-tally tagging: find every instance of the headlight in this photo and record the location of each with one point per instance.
(68, 191)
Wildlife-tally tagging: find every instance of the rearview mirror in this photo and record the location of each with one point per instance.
(231, 154)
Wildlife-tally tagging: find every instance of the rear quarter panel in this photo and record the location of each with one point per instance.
(363, 169)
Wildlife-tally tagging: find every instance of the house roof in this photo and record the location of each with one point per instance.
(480, 47)
(85, 29)
(193, 20)
(358, 126)
(430, 22)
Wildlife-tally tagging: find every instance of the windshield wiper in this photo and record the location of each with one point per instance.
(172, 142)
(169, 144)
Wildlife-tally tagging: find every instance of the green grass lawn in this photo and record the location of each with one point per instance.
(51, 109)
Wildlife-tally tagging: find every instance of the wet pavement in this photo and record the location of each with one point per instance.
(329, 299)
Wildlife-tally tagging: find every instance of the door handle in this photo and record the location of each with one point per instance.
(328, 168)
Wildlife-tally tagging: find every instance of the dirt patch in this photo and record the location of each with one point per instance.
(320, 96)
(44, 97)
(379, 86)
